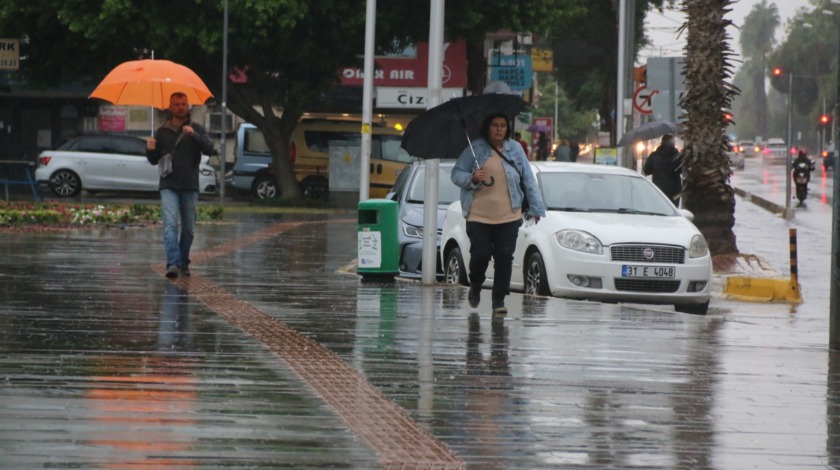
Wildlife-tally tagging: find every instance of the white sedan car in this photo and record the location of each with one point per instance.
(106, 163)
(609, 235)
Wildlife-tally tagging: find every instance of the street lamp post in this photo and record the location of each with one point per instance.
(834, 302)
(778, 72)
(789, 138)
(834, 296)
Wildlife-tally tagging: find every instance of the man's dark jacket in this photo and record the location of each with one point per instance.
(665, 166)
(186, 156)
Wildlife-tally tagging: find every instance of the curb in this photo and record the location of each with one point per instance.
(761, 288)
(761, 202)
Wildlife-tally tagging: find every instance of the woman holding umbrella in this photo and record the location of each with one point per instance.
(492, 175)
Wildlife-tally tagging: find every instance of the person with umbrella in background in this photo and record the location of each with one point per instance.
(665, 164)
(184, 141)
(489, 172)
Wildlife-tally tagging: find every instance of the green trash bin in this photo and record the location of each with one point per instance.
(378, 240)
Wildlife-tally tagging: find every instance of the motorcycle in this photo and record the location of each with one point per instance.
(801, 176)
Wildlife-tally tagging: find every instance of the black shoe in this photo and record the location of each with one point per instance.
(499, 309)
(172, 271)
(475, 296)
(499, 306)
(185, 271)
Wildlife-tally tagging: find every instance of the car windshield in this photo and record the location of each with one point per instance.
(594, 192)
(447, 191)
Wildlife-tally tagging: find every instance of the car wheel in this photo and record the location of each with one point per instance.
(536, 281)
(314, 187)
(693, 309)
(65, 183)
(454, 271)
(264, 187)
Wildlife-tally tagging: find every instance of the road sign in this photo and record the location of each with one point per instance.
(642, 100)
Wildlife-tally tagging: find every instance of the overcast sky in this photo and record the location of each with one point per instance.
(661, 27)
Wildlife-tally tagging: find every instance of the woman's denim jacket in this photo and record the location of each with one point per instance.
(466, 164)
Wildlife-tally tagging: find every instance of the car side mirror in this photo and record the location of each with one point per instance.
(392, 196)
(686, 213)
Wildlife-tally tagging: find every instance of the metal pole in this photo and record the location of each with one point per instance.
(556, 99)
(223, 143)
(367, 102)
(789, 138)
(834, 305)
(619, 89)
(151, 108)
(821, 135)
(430, 203)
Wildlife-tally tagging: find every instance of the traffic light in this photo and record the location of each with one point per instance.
(777, 72)
(640, 74)
(727, 117)
(825, 119)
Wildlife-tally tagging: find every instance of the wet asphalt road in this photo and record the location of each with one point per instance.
(274, 356)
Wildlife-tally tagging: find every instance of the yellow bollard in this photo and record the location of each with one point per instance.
(765, 289)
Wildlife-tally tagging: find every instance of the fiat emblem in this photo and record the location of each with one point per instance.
(648, 253)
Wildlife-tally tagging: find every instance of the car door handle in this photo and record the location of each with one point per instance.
(371, 168)
(379, 169)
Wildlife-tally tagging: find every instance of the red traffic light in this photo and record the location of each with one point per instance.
(777, 71)
(824, 119)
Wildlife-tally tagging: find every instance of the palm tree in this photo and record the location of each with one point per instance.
(707, 98)
(757, 41)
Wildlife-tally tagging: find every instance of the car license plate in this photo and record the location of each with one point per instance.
(666, 272)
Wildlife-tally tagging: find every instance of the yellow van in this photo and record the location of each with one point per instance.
(310, 153)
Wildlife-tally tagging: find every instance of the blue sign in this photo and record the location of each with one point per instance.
(515, 70)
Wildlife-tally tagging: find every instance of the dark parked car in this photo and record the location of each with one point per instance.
(410, 191)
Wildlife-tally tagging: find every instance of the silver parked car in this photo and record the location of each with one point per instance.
(410, 192)
(106, 163)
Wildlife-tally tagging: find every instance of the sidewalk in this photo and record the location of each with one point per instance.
(269, 356)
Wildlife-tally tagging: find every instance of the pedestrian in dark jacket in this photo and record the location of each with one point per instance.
(185, 141)
(665, 164)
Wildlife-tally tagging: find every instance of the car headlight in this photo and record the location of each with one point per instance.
(412, 231)
(579, 240)
(698, 247)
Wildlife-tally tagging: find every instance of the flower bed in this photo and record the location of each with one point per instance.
(17, 214)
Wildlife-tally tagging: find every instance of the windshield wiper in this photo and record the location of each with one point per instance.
(625, 210)
(569, 209)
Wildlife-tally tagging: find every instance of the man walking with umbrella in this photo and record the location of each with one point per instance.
(492, 173)
(184, 141)
(665, 164)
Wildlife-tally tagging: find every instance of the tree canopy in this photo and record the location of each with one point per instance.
(290, 50)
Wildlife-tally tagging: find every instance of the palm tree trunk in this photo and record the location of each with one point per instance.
(708, 95)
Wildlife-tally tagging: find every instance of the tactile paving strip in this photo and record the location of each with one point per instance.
(398, 441)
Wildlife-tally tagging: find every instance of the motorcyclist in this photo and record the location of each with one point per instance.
(802, 157)
(801, 174)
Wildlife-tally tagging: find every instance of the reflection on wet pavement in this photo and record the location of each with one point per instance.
(105, 363)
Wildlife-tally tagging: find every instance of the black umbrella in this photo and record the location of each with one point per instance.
(647, 131)
(447, 129)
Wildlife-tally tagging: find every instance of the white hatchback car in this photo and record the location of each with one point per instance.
(609, 235)
(106, 163)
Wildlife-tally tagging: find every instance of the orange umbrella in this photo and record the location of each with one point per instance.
(150, 83)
